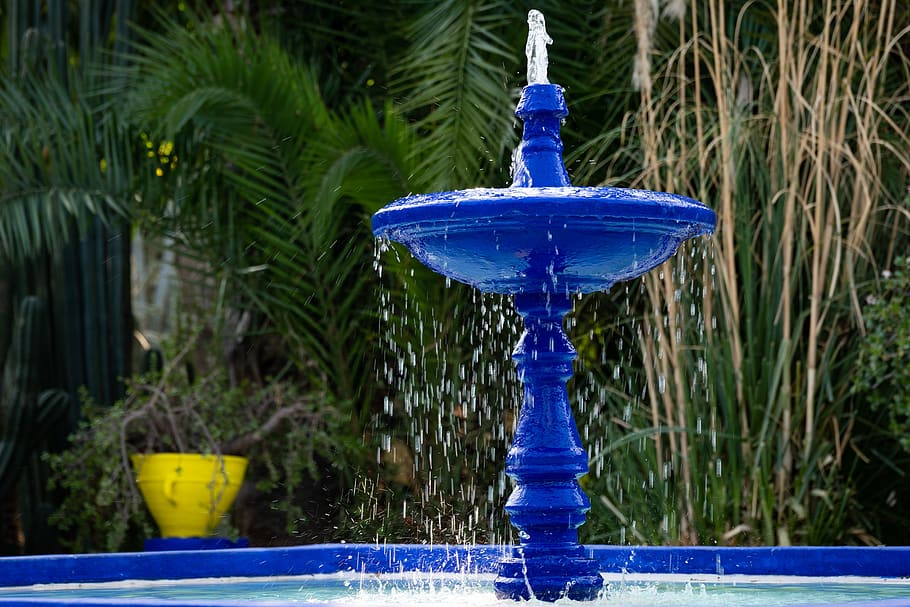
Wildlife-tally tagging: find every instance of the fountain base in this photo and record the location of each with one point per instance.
(548, 577)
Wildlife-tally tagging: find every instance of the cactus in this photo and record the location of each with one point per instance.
(27, 411)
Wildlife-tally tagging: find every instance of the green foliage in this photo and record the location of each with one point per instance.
(277, 427)
(60, 165)
(101, 509)
(459, 79)
(718, 403)
(265, 191)
(350, 46)
(882, 375)
(270, 188)
(66, 190)
(27, 413)
(740, 426)
(456, 74)
(716, 394)
(451, 389)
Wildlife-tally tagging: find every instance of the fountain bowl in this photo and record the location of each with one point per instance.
(551, 239)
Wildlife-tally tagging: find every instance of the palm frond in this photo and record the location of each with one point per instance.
(60, 165)
(273, 187)
(454, 82)
(362, 160)
(238, 113)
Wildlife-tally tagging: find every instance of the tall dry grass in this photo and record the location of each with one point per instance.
(788, 120)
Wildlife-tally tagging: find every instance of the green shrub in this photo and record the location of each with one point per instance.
(280, 429)
(883, 373)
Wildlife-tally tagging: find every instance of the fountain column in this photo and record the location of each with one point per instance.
(545, 460)
(546, 457)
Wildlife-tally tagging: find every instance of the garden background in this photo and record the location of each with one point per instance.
(186, 190)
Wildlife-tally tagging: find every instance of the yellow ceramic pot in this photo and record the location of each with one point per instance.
(188, 493)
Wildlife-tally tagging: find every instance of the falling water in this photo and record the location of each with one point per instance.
(453, 384)
(636, 477)
(453, 395)
(452, 400)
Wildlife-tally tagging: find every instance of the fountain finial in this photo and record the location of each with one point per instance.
(536, 48)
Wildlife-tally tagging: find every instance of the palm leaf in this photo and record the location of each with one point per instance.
(59, 164)
(454, 81)
(273, 188)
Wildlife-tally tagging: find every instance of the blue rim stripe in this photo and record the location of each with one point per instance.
(883, 562)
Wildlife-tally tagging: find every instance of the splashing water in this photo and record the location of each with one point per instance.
(536, 48)
(452, 403)
(411, 589)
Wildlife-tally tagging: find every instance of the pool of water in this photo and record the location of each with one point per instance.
(476, 590)
(445, 575)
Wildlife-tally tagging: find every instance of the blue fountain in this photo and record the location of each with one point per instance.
(543, 242)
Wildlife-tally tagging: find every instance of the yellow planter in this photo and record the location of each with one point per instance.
(188, 493)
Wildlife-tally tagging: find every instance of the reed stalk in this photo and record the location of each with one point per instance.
(785, 119)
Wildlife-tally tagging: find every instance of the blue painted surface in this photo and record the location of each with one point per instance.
(825, 561)
(565, 240)
(820, 561)
(546, 459)
(158, 544)
(544, 241)
(538, 158)
(247, 562)
(542, 234)
(372, 559)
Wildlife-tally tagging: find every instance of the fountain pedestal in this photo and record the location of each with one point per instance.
(544, 241)
(546, 459)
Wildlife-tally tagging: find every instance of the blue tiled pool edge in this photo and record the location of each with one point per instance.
(880, 562)
(885, 562)
(245, 562)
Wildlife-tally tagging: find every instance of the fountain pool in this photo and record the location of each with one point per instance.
(357, 574)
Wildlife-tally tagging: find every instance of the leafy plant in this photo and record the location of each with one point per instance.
(281, 430)
(747, 343)
(715, 394)
(59, 167)
(883, 370)
(269, 188)
(66, 191)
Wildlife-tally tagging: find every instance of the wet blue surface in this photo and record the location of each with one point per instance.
(883, 562)
(543, 240)
(559, 240)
